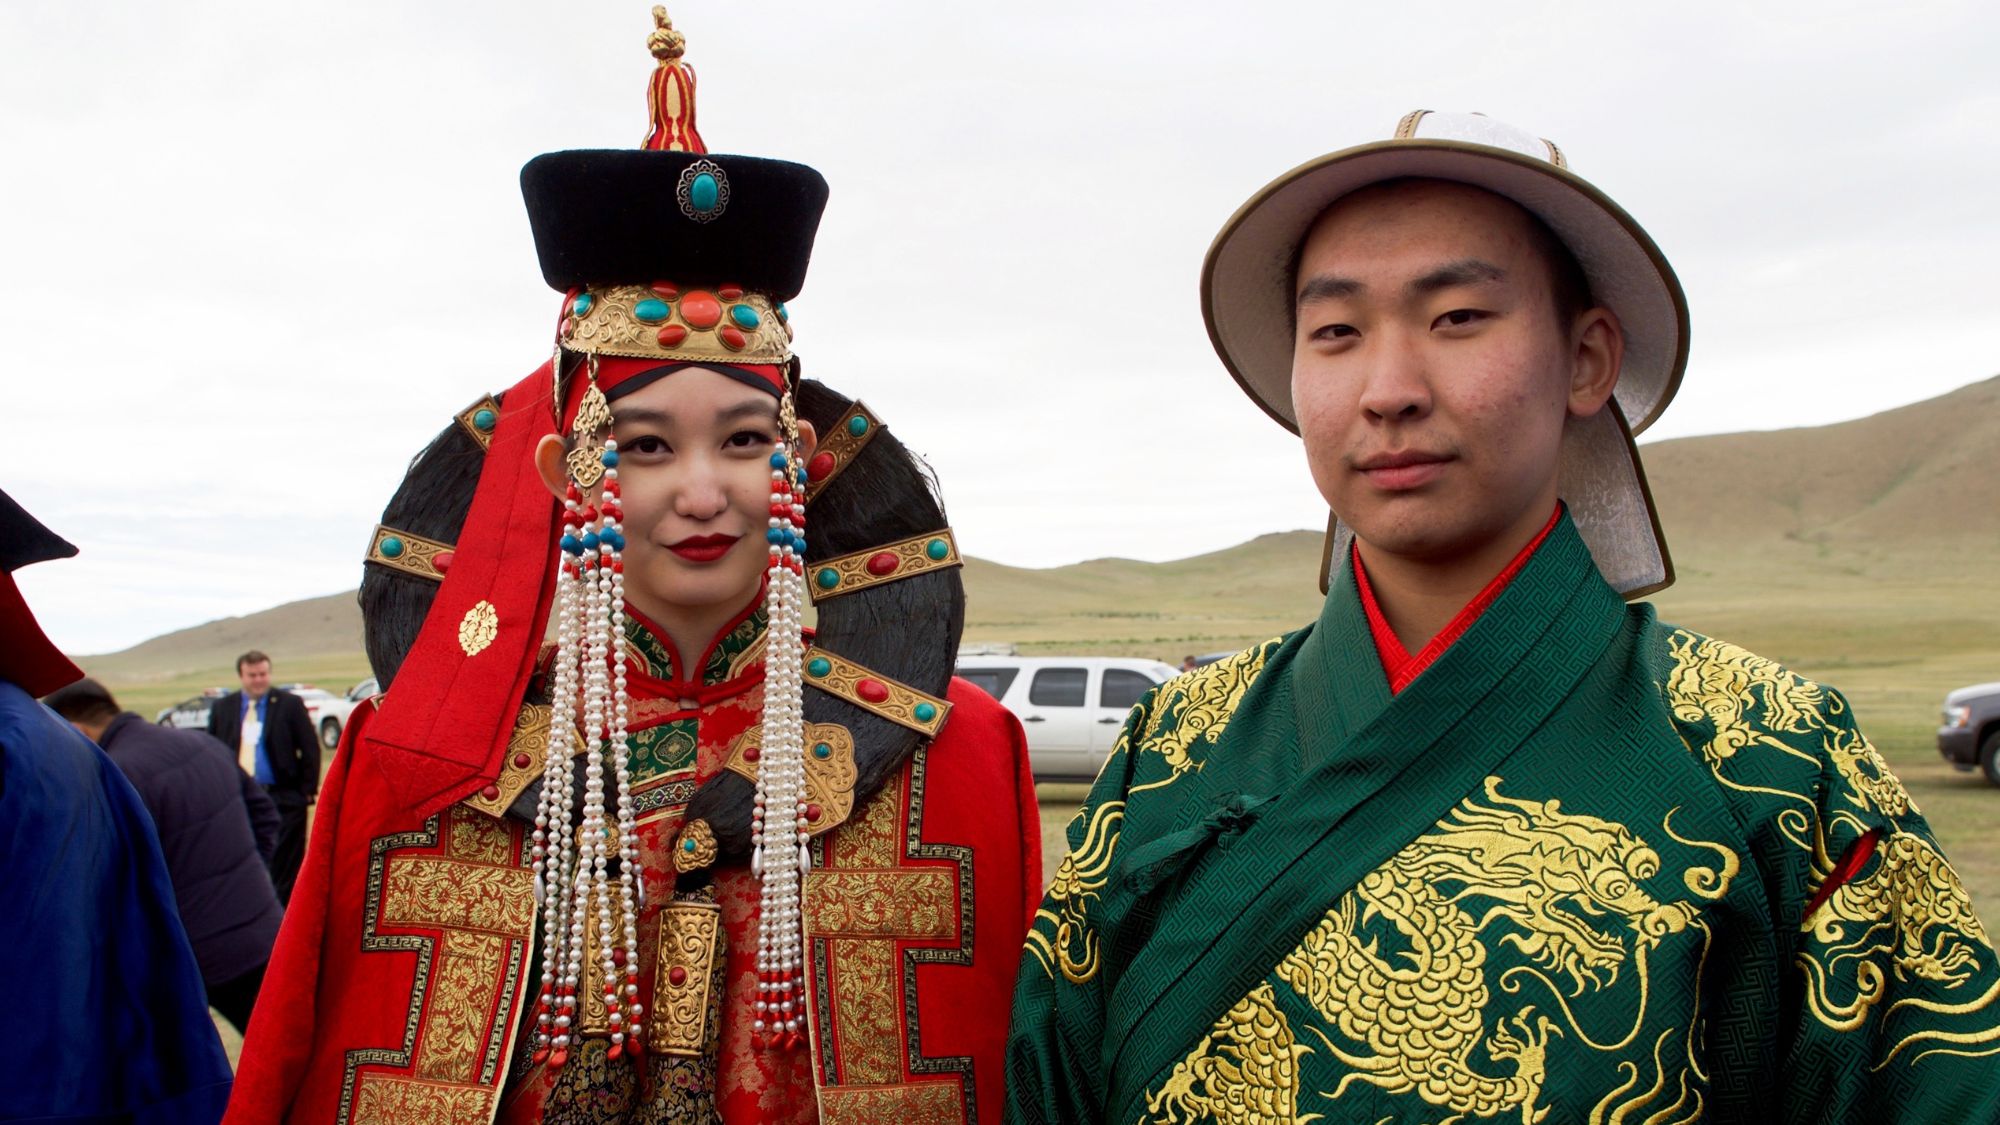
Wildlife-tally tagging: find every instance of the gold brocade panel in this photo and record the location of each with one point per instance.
(456, 893)
(874, 910)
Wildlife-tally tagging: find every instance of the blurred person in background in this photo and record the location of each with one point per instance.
(216, 828)
(274, 743)
(110, 1022)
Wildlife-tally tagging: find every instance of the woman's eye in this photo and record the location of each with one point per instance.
(1459, 318)
(646, 444)
(749, 439)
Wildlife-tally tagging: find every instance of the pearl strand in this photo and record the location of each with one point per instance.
(780, 831)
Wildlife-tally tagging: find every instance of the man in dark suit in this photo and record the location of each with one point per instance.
(274, 742)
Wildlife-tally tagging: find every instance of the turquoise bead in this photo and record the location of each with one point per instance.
(652, 310)
(925, 712)
(581, 306)
(937, 549)
(857, 425)
(829, 578)
(819, 666)
(784, 314)
(483, 421)
(745, 316)
(822, 750)
(704, 192)
(687, 846)
(392, 547)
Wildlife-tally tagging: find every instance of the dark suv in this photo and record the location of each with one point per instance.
(1970, 735)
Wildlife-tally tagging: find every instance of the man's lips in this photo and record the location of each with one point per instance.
(1397, 472)
(703, 548)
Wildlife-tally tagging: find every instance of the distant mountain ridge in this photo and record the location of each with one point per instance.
(1909, 490)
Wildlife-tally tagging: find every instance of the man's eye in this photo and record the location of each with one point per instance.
(646, 444)
(1459, 318)
(1335, 331)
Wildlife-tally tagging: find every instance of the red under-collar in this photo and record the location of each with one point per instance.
(1397, 663)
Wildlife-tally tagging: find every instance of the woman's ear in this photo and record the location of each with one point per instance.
(808, 440)
(550, 466)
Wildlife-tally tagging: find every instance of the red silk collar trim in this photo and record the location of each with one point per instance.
(1397, 664)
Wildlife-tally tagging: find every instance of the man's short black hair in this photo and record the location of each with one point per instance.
(251, 657)
(85, 701)
(1569, 288)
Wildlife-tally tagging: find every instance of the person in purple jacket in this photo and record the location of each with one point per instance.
(217, 828)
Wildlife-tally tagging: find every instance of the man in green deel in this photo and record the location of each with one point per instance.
(1484, 842)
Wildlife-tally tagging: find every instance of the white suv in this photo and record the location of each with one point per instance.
(1071, 706)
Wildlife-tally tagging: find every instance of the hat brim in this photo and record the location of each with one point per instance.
(1603, 483)
(1246, 279)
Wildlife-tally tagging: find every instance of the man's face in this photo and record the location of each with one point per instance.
(256, 677)
(1429, 374)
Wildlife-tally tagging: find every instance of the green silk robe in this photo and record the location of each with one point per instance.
(1562, 877)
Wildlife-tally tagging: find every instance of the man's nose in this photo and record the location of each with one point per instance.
(1398, 386)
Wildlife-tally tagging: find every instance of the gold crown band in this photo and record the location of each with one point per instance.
(723, 324)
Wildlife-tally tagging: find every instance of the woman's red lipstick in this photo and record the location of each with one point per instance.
(703, 548)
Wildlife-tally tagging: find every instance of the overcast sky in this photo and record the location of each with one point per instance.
(256, 254)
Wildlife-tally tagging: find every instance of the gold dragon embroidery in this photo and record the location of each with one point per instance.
(1069, 946)
(1749, 700)
(1912, 906)
(1246, 1072)
(1908, 915)
(1192, 708)
(1565, 889)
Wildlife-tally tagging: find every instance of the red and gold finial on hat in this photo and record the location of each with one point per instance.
(670, 96)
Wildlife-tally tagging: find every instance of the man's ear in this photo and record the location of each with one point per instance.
(550, 466)
(1597, 354)
(808, 440)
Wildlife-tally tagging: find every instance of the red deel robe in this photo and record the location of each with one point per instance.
(397, 987)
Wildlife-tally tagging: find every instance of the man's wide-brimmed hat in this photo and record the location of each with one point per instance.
(1247, 302)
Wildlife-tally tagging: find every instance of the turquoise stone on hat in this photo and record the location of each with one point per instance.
(925, 712)
(857, 425)
(745, 316)
(581, 306)
(483, 420)
(819, 666)
(937, 549)
(391, 547)
(828, 578)
(704, 192)
(822, 750)
(652, 310)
